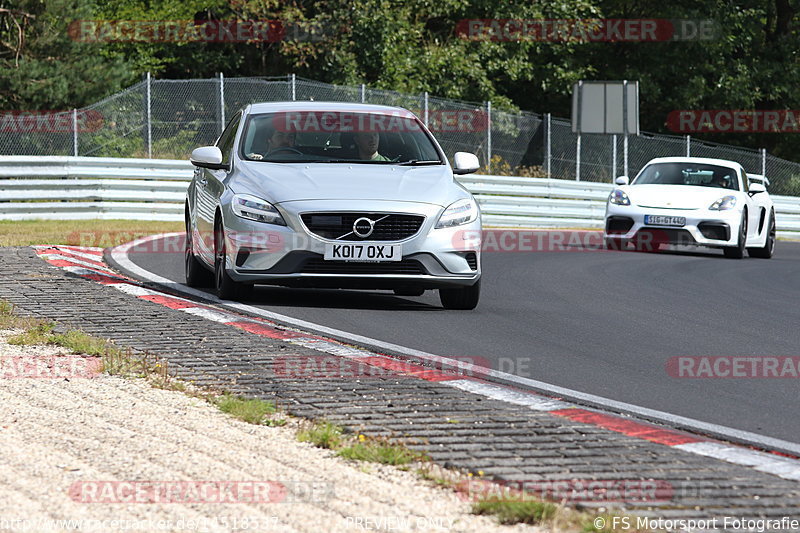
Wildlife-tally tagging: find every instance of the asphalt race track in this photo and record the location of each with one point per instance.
(600, 322)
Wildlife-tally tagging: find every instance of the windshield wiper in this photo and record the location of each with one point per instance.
(420, 162)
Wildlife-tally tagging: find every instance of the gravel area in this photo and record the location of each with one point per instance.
(71, 448)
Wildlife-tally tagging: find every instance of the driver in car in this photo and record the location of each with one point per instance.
(277, 141)
(367, 145)
(721, 179)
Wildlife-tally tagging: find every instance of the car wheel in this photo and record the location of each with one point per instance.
(196, 274)
(766, 251)
(227, 288)
(737, 252)
(409, 292)
(461, 298)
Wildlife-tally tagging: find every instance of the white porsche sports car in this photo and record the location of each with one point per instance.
(693, 201)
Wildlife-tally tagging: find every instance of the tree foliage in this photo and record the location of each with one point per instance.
(412, 46)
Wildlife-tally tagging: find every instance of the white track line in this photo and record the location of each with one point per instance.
(120, 255)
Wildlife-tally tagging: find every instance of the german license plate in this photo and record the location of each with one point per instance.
(364, 252)
(662, 220)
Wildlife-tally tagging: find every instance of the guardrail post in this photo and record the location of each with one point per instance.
(763, 161)
(75, 132)
(688, 146)
(221, 103)
(578, 159)
(148, 105)
(363, 93)
(613, 157)
(292, 87)
(548, 146)
(489, 137)
(425, 108)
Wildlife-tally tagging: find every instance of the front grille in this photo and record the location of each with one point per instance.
(320, 266)
(388, 227)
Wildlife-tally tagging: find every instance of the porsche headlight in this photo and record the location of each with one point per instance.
(619, 197)
(724, 203)
(252, 208)
(458, 213)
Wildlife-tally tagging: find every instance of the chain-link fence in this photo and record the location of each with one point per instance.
(168, 118)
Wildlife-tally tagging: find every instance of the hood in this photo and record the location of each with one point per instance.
(279, 182)
(675, 196)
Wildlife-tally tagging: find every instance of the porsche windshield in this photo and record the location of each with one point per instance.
(338, 137)
(689, 174)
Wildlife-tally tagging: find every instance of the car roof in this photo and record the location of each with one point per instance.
(302, 105)
(701, 160)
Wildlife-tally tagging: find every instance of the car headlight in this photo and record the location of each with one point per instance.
(253, 208)
(723, 204)
(619, 197)
(458, 213)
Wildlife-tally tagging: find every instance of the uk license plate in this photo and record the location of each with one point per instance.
(364, 252)
(663, 220)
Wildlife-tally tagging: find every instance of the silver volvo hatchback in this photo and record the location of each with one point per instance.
(332, 195)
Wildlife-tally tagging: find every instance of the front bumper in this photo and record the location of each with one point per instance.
(703, 227)
(293, 256)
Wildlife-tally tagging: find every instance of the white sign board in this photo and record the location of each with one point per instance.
(610, 107)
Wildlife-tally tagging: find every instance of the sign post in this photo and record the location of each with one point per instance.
(606, 107)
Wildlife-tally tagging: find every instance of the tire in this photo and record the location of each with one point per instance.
(196, 274)
(463, 298)
(738, 251)
(409, 292)
(766, 251)
(226, 287)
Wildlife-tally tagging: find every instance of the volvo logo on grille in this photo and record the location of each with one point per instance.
(363, 227)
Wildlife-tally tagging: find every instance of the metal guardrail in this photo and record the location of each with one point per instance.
(70, 188)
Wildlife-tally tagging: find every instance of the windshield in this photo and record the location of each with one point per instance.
(338, 137)
(689, 174)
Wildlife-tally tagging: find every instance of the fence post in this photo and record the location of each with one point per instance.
(625, 155)
(489, 136)
(548, 154)
(688, 146)
(292, 88)
(221, 103)
(425, 109)
(613, 157)
(578, 159)
(363, 93)
(149, 105)
(763, 161)
(74, 132)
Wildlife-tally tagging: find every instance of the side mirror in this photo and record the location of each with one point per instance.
(465, 163)
(207, 157)
(756, 188)
(622, 180)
